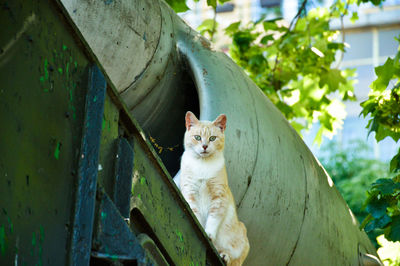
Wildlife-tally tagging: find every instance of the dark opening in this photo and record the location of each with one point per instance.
(188, 100)
(166, 127)
(139, 225)
(161, 110)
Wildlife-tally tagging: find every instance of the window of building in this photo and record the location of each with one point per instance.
(226, 7)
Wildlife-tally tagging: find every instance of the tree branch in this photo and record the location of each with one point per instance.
(214, 28)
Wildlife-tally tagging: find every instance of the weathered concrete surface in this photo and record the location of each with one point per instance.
(293, 212)
(117, 30)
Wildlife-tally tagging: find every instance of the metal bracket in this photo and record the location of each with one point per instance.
(87, 170)
(123, 177)
(113, 239)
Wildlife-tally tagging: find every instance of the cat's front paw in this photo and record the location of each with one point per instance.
(225, 257)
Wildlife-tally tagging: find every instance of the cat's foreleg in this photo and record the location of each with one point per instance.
(190, 196)
(214, 219)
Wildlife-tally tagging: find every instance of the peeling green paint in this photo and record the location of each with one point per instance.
(73, 111)
(33, 239)
(179, 234)
(57, 150)
(71, 100)
(41, 234)
(103, 124)
(10, 225)
(60, 70)
(46, 72)
(2, 240)
(142, 180)
(64, 47)
(139, 196)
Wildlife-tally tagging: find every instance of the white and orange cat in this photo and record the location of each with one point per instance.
(204, 184)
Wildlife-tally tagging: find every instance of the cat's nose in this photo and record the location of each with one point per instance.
(205, 147)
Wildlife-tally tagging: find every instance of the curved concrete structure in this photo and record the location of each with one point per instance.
(292, 210)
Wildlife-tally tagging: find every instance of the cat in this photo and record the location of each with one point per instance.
(204, 185)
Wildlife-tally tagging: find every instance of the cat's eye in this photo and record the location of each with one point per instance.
(197, 137)
(212, 138)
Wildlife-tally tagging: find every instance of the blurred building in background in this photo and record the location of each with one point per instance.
(370, 41)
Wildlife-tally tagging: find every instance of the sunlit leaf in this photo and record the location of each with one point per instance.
(212, 3)
(207, 25)
(178, 5)
(232, 28)
(354, 17)
(332, 78)
(385, 74)
(266, 38)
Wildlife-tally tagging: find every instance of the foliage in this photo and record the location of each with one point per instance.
(352, 172)
(389, 252)
(293, 66)
(180, 5)
(209, 27)
(383, 109)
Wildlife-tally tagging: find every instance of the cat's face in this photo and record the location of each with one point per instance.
(204, 138)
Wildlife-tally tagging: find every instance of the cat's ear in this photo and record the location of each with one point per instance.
(220, 122)
(191, 120)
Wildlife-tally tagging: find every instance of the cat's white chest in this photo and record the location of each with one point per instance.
(202, 169)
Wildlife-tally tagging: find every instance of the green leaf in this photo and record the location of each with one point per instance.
(270, 25)
(332, 78)
(207, 26)
(243, 39)
(366, 221)
(267, 38)
(354, 17)
(336, 46)
(257, 60)
(377, 207)
(385, 186)
(212, 3)
(395, 163)
(178, 5)
(394, 234)
(318, 136)
(301, 24)
(231, 29)
(380, 222)
(385, 74)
